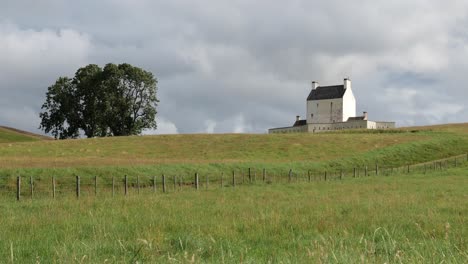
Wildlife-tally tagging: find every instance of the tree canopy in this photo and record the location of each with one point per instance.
(117, 100)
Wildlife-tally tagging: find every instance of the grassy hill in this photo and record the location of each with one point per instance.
(184, 154)
(8, 135)
(387, 218)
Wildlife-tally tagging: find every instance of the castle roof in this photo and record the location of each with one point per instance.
(326, 92)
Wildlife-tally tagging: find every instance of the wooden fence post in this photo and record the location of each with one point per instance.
(113, 186)
(196, 180)
(308, 175)
(222, 174)
(138, 184)
(31, 185)
(250, 176)
(264, 174)
(365, 171)
(53, 187)
(126, 185)
(77, 186)
(95, 185)
(376, 170)
(325, 176)
(233, 179)
(164, 183)
(408, 171)
(354, 172)
(18, 188)
(290, 175)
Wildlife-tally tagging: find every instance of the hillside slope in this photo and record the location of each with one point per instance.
(183, 153)
(8, 134)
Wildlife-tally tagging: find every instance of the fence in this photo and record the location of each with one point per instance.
(30, 187)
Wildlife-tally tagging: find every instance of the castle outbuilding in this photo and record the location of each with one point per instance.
(332, 108)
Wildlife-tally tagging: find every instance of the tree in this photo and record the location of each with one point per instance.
(118, 100)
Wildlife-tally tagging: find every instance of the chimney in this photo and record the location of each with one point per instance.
(365, 115)
(314, 85)
(298, 118)
(347, 83)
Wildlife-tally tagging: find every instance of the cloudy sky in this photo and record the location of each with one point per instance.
(242, 65)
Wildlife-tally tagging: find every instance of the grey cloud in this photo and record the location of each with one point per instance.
(245, 66)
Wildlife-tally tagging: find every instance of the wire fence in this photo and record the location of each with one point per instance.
(30, 187)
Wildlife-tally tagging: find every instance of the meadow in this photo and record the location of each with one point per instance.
(415, 218)
(398, 217)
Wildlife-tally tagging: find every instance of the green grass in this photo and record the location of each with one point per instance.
(402, 218)
(10, 136)
(411, 218)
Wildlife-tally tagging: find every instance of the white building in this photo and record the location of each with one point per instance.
(332, 108)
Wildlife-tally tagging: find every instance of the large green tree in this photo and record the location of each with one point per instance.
(117, 100)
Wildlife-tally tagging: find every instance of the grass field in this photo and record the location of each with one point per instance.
(185, 154)
(402, 218)
(9, 135)
(397, 219)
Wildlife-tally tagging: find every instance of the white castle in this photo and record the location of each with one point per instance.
(332, 108)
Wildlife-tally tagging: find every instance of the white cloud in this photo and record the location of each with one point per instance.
(164, 127)
(210, 126)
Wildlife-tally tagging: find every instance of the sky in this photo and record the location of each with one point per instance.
(244, 66)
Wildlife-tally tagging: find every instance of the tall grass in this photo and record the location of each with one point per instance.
(397, 219)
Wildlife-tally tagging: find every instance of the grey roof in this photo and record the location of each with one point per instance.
(327, 92)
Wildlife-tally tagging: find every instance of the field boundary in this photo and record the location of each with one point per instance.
(30, 187)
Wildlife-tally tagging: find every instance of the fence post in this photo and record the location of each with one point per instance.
(138, 184)
(126, 185)
(264, 174)
(18, 188)
(354, 172)
(113, 186)
(325, 176)
(233, 179)
(77, 186)
(250, 176)
(290, 175)
(31, 184)
(196, 180)
(308, 175)
(175, 183)
(95, 185)
(164, 183)
(154, 183)
(222, 174)
(206, 177)
(53, 187)
(365, 171)
(376, 169)
(408, 171)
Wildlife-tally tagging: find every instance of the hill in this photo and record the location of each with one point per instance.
(183, 154)
(8, 134)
